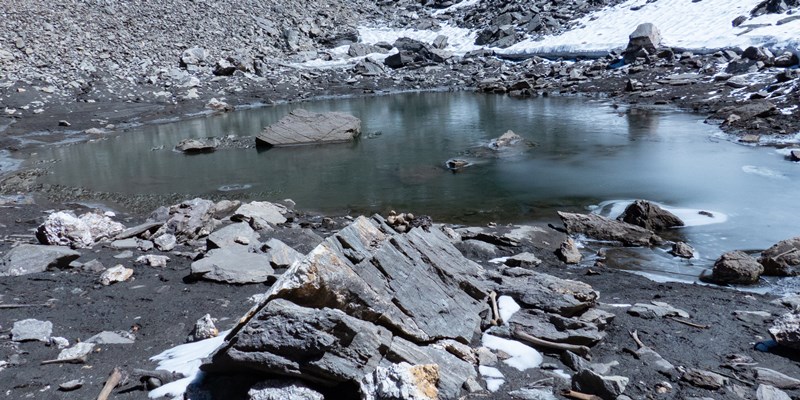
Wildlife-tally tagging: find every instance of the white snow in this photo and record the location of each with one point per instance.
(494, 378)
(185, 359)
(522, 356)
(459, 40)
(499, 260)
(683, 23)
(507, 307)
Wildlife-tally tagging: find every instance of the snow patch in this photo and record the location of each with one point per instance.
(522, 357)
(185, 359)
(494, 378)
(507, 307)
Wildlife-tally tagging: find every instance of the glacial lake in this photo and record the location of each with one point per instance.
(587, 156)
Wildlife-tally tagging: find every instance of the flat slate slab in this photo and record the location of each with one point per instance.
(305, 127)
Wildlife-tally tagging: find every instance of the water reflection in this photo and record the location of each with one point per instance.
(585, 153)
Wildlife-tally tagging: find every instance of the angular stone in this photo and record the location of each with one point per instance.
(546, 292)
(602, 228)
(568, 252)
(774, 378)
(607, 387)
(782, 259)
(65, 229)
(123, 244)
(260, 214)
(682, 250)
(115, 274)
(204, 328)
(556, 328)
(786, 330)
(233, 266)
(649, 216)
(402, 381)
(318, 344)
(704, 379)
(31, 329)
(767, 392)
(30, 258)
(165, 242)
(79, 351)
(656, 309)
(275, 389)
(139, 230)
(305, 127)
(195, 146)
(153, 260)
(234, 235)
(112, 337)
(189, 220)
(453, 372)
(524, 260)
(280, 255)
(736, 267)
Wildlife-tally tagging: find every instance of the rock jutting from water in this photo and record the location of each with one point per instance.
(305, 127)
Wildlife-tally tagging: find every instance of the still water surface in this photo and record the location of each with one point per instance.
(587, 155)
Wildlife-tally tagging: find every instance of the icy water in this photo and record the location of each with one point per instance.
(587, 156)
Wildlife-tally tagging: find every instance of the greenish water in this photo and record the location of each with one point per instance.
(586, 154)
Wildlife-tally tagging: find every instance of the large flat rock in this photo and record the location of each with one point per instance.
(305, 127)
(29, 259)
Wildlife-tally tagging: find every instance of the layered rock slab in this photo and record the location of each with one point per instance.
(364, 297)
(305, 127)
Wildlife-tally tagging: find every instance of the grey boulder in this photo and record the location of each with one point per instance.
(786, 330)
(30, 258)
(318, 344)
(189, 220)
(782, 259)
(649, 216)
(607, 387)
(31, 329)
(260, 214)
(602, 228)
(736, 267)
(305, 127)
(233, 266)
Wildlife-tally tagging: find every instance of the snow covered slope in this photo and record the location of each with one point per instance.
(705, 24)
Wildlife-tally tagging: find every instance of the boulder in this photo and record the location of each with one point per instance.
(649, 216)
(545, 292)
(682, 250)
(646, 37)
(194, 146)
(736, 267)
(238, 235)
(117, 273)
(786, 330)
(260, 214)
(602, 228)
(189, 220)
(606, 387)
(30, 258)
(321, 345)
(656, 309)
(776, 379)
(65, 229)
(218, 105)
(369, 67)
(363, 49)
(280, 255)
(305, 127)
(525, 260)
(454, 373)
(402, 381)
(758, 54)
(233, 266)
(568, 252)
(786, 60)
(280, 389)
(782, 259)
(31, 329)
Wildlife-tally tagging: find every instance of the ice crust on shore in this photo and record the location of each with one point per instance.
(185, 359)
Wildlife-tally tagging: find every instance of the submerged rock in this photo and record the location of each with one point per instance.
(194, 146)
(682, 250)
(305, 127)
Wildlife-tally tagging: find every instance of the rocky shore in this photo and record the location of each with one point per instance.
(398, 306)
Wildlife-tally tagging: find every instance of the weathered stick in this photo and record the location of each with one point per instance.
(635, 335)
(692, 324)
(582, 351)
(111, 383)
(495, 310)
(73, 360)
(11, 306)
(579, 396)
